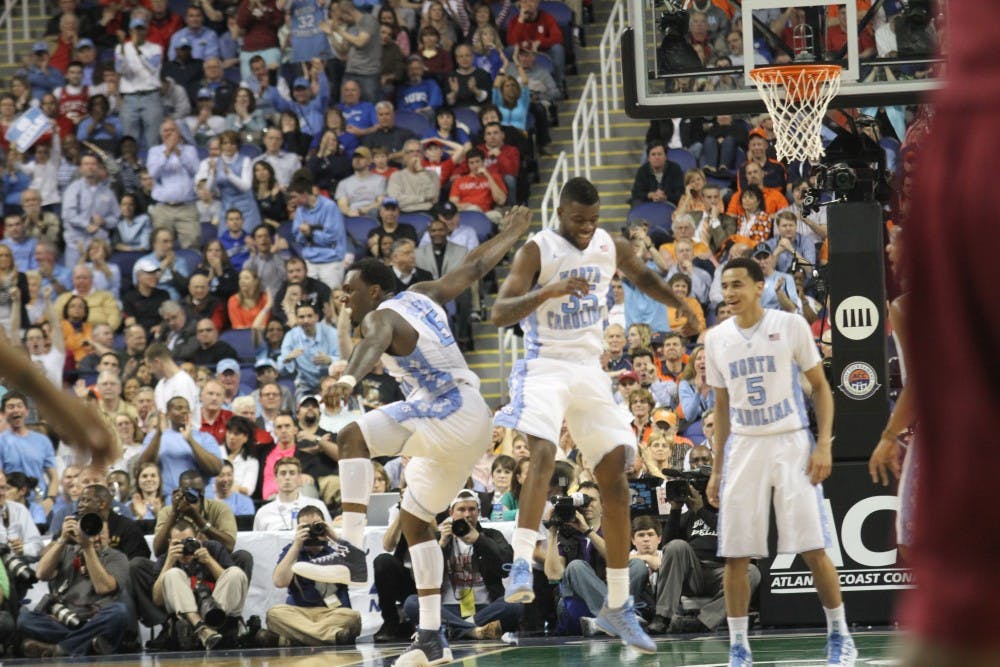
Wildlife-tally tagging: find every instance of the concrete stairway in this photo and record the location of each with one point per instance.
(621, 156)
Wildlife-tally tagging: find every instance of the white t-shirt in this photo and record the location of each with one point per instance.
(277, 515)
(180, 384)
(52, 363)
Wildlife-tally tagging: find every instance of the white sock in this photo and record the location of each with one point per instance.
(430, 612)
(738, 631)
(353, 528)
(617, 586)
(356, 478)
(428, 572)
(523, 541)
(836, 621)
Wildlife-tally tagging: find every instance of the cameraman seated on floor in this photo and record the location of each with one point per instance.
(576, 555)
(689, 564)
(212, 519)
(84, 612)
(315, 613)
(124, 534)
(200, 587)
(472, 604)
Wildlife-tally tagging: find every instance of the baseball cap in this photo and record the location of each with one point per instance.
(390, 202)
(363, 152)
(761, 249)
(147, 265)
(227, 366)
(414, 59)
(265, 363)
(664, 415)
(757, 132)
(40, 47)
(137, 22)
(308, 397)
(432, 142)
(463, 495)
(657, 338)
(205, 94)
(628, 375)
(446, 210)
(84, 43)
(301, 82)
(183, 42)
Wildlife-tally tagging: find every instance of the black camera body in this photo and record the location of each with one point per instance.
(191, 496)
(677, 488)
(317, 535)
(91, 524)
(16, 566)
(564, 509)
(460, 528)
(191, 545)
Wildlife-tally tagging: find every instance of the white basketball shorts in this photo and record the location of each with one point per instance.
(544, 391)
(753, 468)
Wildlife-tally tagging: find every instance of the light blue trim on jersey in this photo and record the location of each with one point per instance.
(800, 398)
(532, 346)
(824, 519)
(510, 414)
(431, 379)
(440, 407)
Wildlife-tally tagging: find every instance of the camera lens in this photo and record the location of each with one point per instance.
(91, 524)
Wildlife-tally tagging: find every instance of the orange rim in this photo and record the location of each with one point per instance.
(784, 74)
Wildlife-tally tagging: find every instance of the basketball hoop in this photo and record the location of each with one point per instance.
(797, 97)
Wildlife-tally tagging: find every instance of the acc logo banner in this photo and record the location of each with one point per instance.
(856, 318)
(28, 128)
(859, 381)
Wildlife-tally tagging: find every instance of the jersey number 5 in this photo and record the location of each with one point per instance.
(755, 390)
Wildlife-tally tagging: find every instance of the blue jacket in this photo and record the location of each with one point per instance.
(310, 114)
(414, 96)
(328, 242)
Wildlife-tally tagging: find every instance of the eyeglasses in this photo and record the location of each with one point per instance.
(700, 459)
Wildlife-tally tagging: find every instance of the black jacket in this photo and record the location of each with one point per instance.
(672, 183)
(699, 529)
(489, 554)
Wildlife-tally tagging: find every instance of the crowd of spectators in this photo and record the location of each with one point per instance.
(222, 151)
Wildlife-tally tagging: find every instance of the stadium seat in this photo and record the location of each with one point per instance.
(495, 8)
(357, 232)
(682, 158)
(657, 214)
(468, 120)
(414, 122)
(478, 221)
(420, 221)
(209, 232)
(242, 342)
(125, 261)
(248, 376)
(288, 384)
(249, 150)
(190, 255)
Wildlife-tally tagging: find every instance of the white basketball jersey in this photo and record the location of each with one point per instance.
(571, 327)
(760, 370)
(436, 365)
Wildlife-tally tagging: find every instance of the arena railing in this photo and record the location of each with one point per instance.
(16, 17)
(550, 198)
(587, 130)
(610, 52)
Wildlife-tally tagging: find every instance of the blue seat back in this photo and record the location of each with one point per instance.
(478, 221)
(420, 221)
(682, 158)
(242, 342)
(468, 120)
(657, 214)
(413, 121)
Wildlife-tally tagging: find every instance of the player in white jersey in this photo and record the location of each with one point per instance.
(763, 445)
(557, 288)
(443, 424)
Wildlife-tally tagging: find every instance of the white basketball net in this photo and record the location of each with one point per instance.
(797, 99)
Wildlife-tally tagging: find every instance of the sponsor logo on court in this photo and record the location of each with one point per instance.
(859, 381)
(856, 318)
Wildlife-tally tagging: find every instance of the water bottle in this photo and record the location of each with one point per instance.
(497, 513)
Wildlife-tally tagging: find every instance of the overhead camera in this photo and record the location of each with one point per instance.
(675, 54)
(917, 13)
(673, 21)
(839, 177)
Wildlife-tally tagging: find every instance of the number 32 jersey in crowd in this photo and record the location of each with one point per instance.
(571, 327)
(760, 367)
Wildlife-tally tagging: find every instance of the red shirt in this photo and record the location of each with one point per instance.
(261, 31)
(471, 189)
(217, 427)
(543, 30)
(161, 30)
(443, 169)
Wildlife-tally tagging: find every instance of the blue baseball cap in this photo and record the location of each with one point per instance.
(205, 94)
(391, 202)
(301, 82)
(137, 22)
(40, 47)
(227, 366)
(85, 43)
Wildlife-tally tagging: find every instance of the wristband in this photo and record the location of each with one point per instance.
(348, 380)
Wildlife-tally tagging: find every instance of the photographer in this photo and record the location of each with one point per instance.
(123, 534)
(472, 603)
(20, 534)
(576, 557)
(83, 612)
(688, 563)
(199, 584)
(315, 613)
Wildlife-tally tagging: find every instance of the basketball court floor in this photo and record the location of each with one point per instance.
(788, 649)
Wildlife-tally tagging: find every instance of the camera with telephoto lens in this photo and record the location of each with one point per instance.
(213, 615)
(677, 488)
(16, 566)
(564, 509)
(191, 496)
(191, 545)
(91, 524)
(317, 534)
(48, 604)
